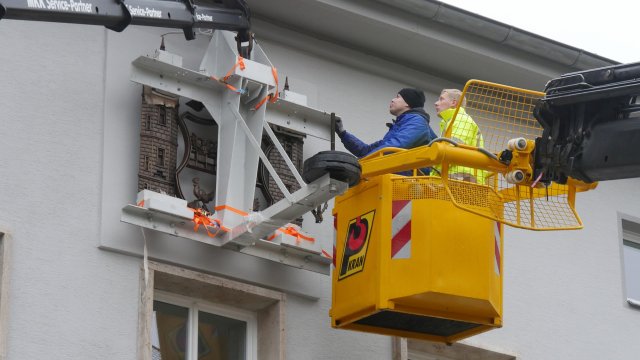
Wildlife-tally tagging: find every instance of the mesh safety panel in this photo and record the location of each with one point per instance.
(421, 187)
(502, 112)
(494, 114)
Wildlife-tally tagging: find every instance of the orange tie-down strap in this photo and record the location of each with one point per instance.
(271, 97)
(290, 230)
(200, 218)
(242, 66)
(232, 209)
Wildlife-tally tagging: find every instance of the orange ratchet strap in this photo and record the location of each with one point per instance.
(241, 65)
(200, 218)
(290, 230)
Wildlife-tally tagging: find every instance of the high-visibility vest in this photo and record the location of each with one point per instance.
(464, 131)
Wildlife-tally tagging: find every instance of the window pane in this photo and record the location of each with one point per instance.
(221, 338)
(161, 156)
(162, 116)
(169, 335)
(632, 269)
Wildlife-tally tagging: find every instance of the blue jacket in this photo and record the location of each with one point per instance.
(409, 130)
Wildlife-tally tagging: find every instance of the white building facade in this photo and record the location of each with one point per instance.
(73, 284)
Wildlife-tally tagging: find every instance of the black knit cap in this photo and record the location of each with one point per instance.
(413, 97)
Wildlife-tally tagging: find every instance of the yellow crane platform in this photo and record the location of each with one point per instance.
(422, 256)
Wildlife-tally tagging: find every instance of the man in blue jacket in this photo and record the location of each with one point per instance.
(410, 128)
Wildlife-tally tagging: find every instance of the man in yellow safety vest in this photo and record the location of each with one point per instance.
(463, 131)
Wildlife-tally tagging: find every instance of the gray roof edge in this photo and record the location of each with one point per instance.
(501, 33)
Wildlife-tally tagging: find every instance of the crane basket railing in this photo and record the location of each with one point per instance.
(501, 113)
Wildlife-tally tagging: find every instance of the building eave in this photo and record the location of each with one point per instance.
(430, 37)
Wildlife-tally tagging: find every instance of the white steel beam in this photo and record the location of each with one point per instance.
(249, 237)
(285, 210)
(240, 127)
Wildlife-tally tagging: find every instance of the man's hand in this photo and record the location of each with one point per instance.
(339, 127)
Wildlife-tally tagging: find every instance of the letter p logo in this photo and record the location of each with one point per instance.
(356, 244)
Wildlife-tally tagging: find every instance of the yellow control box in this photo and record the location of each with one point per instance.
(409, 263)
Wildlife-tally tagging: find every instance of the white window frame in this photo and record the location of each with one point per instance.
(413, 349)
(194, 306)
(630, 236)
(266, 307)
(5, 245)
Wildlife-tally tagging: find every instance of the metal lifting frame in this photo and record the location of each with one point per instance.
(116, 15)
(241, 123)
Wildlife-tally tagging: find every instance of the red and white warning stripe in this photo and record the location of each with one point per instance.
(401, 229)
(496, 235)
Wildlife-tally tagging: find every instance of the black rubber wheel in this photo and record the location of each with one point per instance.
(339, 165)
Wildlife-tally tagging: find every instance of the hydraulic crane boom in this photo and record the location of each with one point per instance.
(232, 15)
(591, 122)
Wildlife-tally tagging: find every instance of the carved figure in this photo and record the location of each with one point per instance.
(202, 195)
